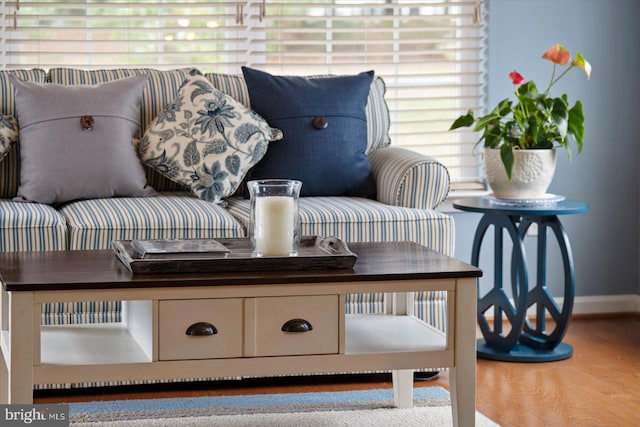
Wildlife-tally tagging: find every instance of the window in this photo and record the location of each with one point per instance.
(429, 52)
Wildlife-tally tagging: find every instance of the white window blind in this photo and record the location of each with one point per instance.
(429, 52)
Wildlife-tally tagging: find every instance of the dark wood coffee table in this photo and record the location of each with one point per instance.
(233, 324)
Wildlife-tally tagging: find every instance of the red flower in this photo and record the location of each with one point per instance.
(516, 77)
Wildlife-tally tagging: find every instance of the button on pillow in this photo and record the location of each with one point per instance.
(325, 131)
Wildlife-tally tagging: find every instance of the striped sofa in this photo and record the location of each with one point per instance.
(409, 188)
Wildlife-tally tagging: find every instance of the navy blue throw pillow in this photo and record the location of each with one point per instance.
(325, 131)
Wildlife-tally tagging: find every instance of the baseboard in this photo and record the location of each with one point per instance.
(606, 304)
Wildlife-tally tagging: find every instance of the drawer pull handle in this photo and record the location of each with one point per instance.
(202, 329)
(297, 325)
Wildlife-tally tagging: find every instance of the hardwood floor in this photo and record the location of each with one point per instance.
(598, 386)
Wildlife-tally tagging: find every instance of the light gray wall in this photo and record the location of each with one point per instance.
(606, 239)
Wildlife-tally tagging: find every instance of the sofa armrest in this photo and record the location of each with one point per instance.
(409, 179)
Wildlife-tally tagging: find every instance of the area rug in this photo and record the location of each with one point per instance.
(346, 408)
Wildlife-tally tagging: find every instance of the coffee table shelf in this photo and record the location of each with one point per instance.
(94, 344)
(376, 333)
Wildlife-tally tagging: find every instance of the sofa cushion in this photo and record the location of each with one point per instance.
(160, 90)
(76, 141)
(94, 224)
(31, 227)
(8, 134)
(377, 111)
(206, 140)
(325, 131)
(10, 167)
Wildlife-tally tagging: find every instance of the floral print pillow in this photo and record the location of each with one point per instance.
(8, 134)
(206, 140)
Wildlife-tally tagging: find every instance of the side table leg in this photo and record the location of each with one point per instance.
(403, 388)
(537, 336)
(496, 341)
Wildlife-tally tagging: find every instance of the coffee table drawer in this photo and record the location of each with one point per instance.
(200, 329)
(310, 325)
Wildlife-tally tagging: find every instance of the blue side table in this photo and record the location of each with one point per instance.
(523, 341)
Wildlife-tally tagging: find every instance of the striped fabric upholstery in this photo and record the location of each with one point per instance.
(94, 224)
(378, 120)
(10, 166)
(363, 220)
(405, 178)
(71, 313)
(161, 89)
(31, 227)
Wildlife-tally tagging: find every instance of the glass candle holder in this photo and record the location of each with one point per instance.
(274, 225)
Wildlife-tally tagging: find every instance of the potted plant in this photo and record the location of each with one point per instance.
(536, 121)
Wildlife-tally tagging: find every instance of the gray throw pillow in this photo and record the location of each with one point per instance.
(76, 141)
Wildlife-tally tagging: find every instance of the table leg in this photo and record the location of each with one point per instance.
(19, 383)
(462, 377)
(403, 387)
(402, 305)
(496, 298)
(536, 336)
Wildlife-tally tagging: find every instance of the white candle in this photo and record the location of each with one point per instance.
(273, 228)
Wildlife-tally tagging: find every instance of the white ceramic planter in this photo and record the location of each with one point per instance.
(532, 173)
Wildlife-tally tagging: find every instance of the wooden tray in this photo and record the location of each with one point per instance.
(313, 253)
